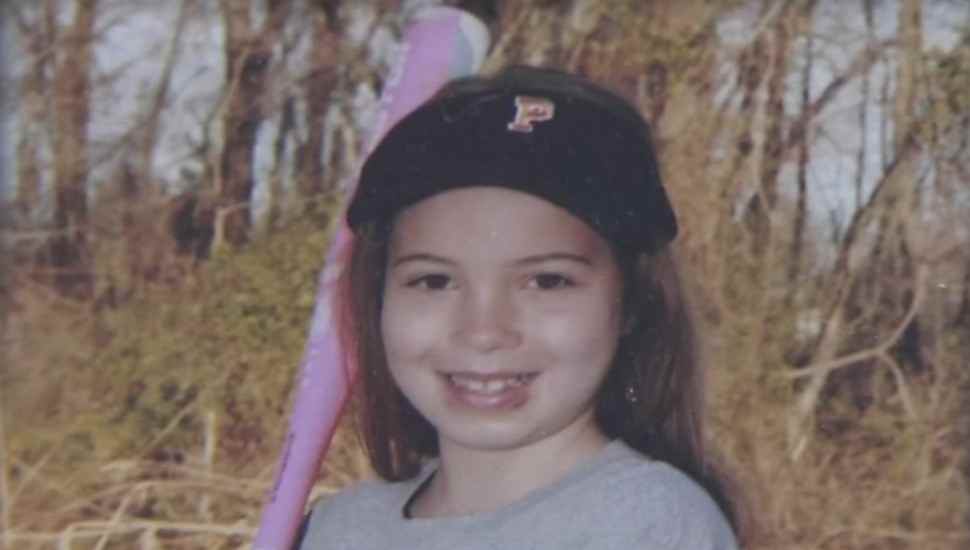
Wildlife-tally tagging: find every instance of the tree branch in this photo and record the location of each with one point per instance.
(880, 351)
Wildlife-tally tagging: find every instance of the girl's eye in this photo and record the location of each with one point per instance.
(435, 281)
(550, 281)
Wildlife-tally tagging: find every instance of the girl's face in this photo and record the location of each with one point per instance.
(501, 317)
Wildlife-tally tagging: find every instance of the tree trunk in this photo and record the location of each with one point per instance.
(801, 201)
(37, 41)
(154, 111)
(750, 77)
(868, 10)
(770, 151)
(319, 87)
(911, 41)
(890, 256)
(249, 53)
(275, 196)
(69, 253)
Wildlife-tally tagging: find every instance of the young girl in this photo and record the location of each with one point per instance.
(529, 376)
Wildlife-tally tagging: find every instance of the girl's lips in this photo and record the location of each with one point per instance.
(496, 391)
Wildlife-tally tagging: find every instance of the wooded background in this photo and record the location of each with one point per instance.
(171, 169)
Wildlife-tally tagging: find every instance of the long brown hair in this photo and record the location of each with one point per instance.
(652, 397)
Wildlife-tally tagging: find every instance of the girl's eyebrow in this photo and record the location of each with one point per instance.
(555, 256)
(528, 260)
(421, 257)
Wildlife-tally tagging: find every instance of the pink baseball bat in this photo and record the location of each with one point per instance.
(440, 44)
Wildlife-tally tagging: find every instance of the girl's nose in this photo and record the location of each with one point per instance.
(487, 322)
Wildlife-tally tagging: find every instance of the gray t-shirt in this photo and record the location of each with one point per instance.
(618, 500)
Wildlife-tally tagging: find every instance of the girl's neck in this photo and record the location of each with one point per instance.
(471, 481)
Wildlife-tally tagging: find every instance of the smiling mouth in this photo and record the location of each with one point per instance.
(491, 384)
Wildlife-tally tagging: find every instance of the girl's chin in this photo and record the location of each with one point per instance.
(487, 438)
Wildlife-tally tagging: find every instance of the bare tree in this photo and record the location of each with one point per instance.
(153, 111)
(72, 91)
(320, 84)
(801, 201)
(37, 32)
(248, 56)
(767, 141)
(144, 250)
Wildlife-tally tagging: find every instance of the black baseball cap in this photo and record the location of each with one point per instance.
(545, 132)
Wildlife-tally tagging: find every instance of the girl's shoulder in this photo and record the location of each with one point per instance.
(334, 521)
(365, 497)
(663, 506)
(624, 471)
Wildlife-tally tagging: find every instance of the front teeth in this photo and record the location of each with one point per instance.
(488, 387)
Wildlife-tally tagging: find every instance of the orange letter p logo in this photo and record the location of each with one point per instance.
(530, 109)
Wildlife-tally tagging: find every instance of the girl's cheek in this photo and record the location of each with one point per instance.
(410, 326)
(583, 330)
